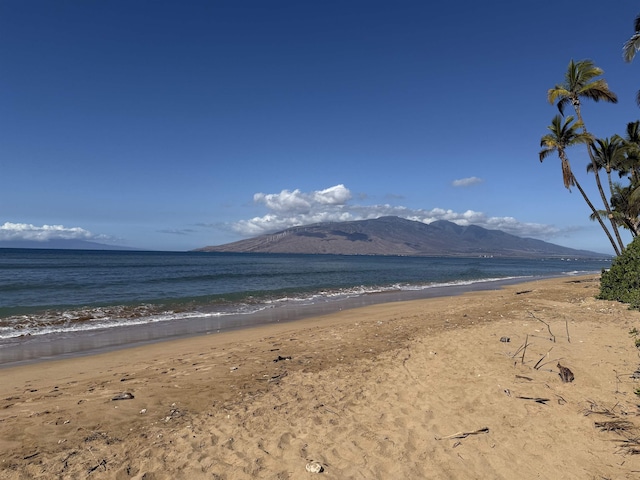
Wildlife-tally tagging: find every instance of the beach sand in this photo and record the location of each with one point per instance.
(423, 389)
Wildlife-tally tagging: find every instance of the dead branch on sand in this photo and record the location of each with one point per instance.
(553, 337)
(598, 410)
(615, 425)
(630, 446)
(535, 367)
(541, 400)
(464, 434)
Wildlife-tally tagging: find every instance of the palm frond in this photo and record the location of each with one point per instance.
(633, 132)
(582, 72)
(598, 90)
(631, 47)
(555, 93)
(567, 175)
(599, 213)
(544, 153)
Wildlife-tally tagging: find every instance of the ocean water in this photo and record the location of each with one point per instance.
(53, 294)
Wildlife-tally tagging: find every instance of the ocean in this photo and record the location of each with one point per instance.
(64, 302)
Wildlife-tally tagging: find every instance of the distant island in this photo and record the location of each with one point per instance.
(399, 236)
(60, 244)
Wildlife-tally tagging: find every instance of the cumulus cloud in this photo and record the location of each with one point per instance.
(466, 182)
(303, 203)
(24, 231)
(292, 208)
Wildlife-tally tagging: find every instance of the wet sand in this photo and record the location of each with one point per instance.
(417, 389)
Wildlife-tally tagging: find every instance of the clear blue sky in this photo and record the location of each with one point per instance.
(173, 125)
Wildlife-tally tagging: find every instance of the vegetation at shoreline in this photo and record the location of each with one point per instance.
(622, 281)
(616, 154)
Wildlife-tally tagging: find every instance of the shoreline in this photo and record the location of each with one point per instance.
(410, 389)
(26, 350)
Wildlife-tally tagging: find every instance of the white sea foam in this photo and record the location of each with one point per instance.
(99, 318)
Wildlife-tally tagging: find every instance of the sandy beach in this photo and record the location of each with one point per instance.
(464, 387)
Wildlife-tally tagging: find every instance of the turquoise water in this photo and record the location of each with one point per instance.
(45, 292)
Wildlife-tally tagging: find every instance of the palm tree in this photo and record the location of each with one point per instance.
(580, 82)
(622, 155)
(631, 47)
(631, 165)
(628, 198)
(608, 154)
(625, 209)
(564, 134)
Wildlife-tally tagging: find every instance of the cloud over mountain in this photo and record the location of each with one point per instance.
(293, 208)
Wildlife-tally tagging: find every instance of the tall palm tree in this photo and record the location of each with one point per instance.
(631, 47)
(609, 154)
(580, 82)
(631, 165)
(627, 200)
(562, 135)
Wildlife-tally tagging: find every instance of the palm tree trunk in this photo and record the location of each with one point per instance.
(595, 214)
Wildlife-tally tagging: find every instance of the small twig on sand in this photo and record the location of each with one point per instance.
(553, 337)
(614, 425)
(524, 350)
(542, 358)
(566, 324)
(595, 408)
(103, 463)
(519, 350)
(543, 364)
(465, 434)
(631, 445)
(536, 399)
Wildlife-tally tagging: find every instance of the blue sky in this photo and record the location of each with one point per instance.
(173, 125)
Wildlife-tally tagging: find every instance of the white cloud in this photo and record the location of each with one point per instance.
(466, 182)
(293, 208)
(303, 203)
(24, 231)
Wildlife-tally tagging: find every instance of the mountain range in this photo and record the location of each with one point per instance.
(398, 236)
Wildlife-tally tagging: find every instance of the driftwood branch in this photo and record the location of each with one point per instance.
(465, 434)
(553, 337)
